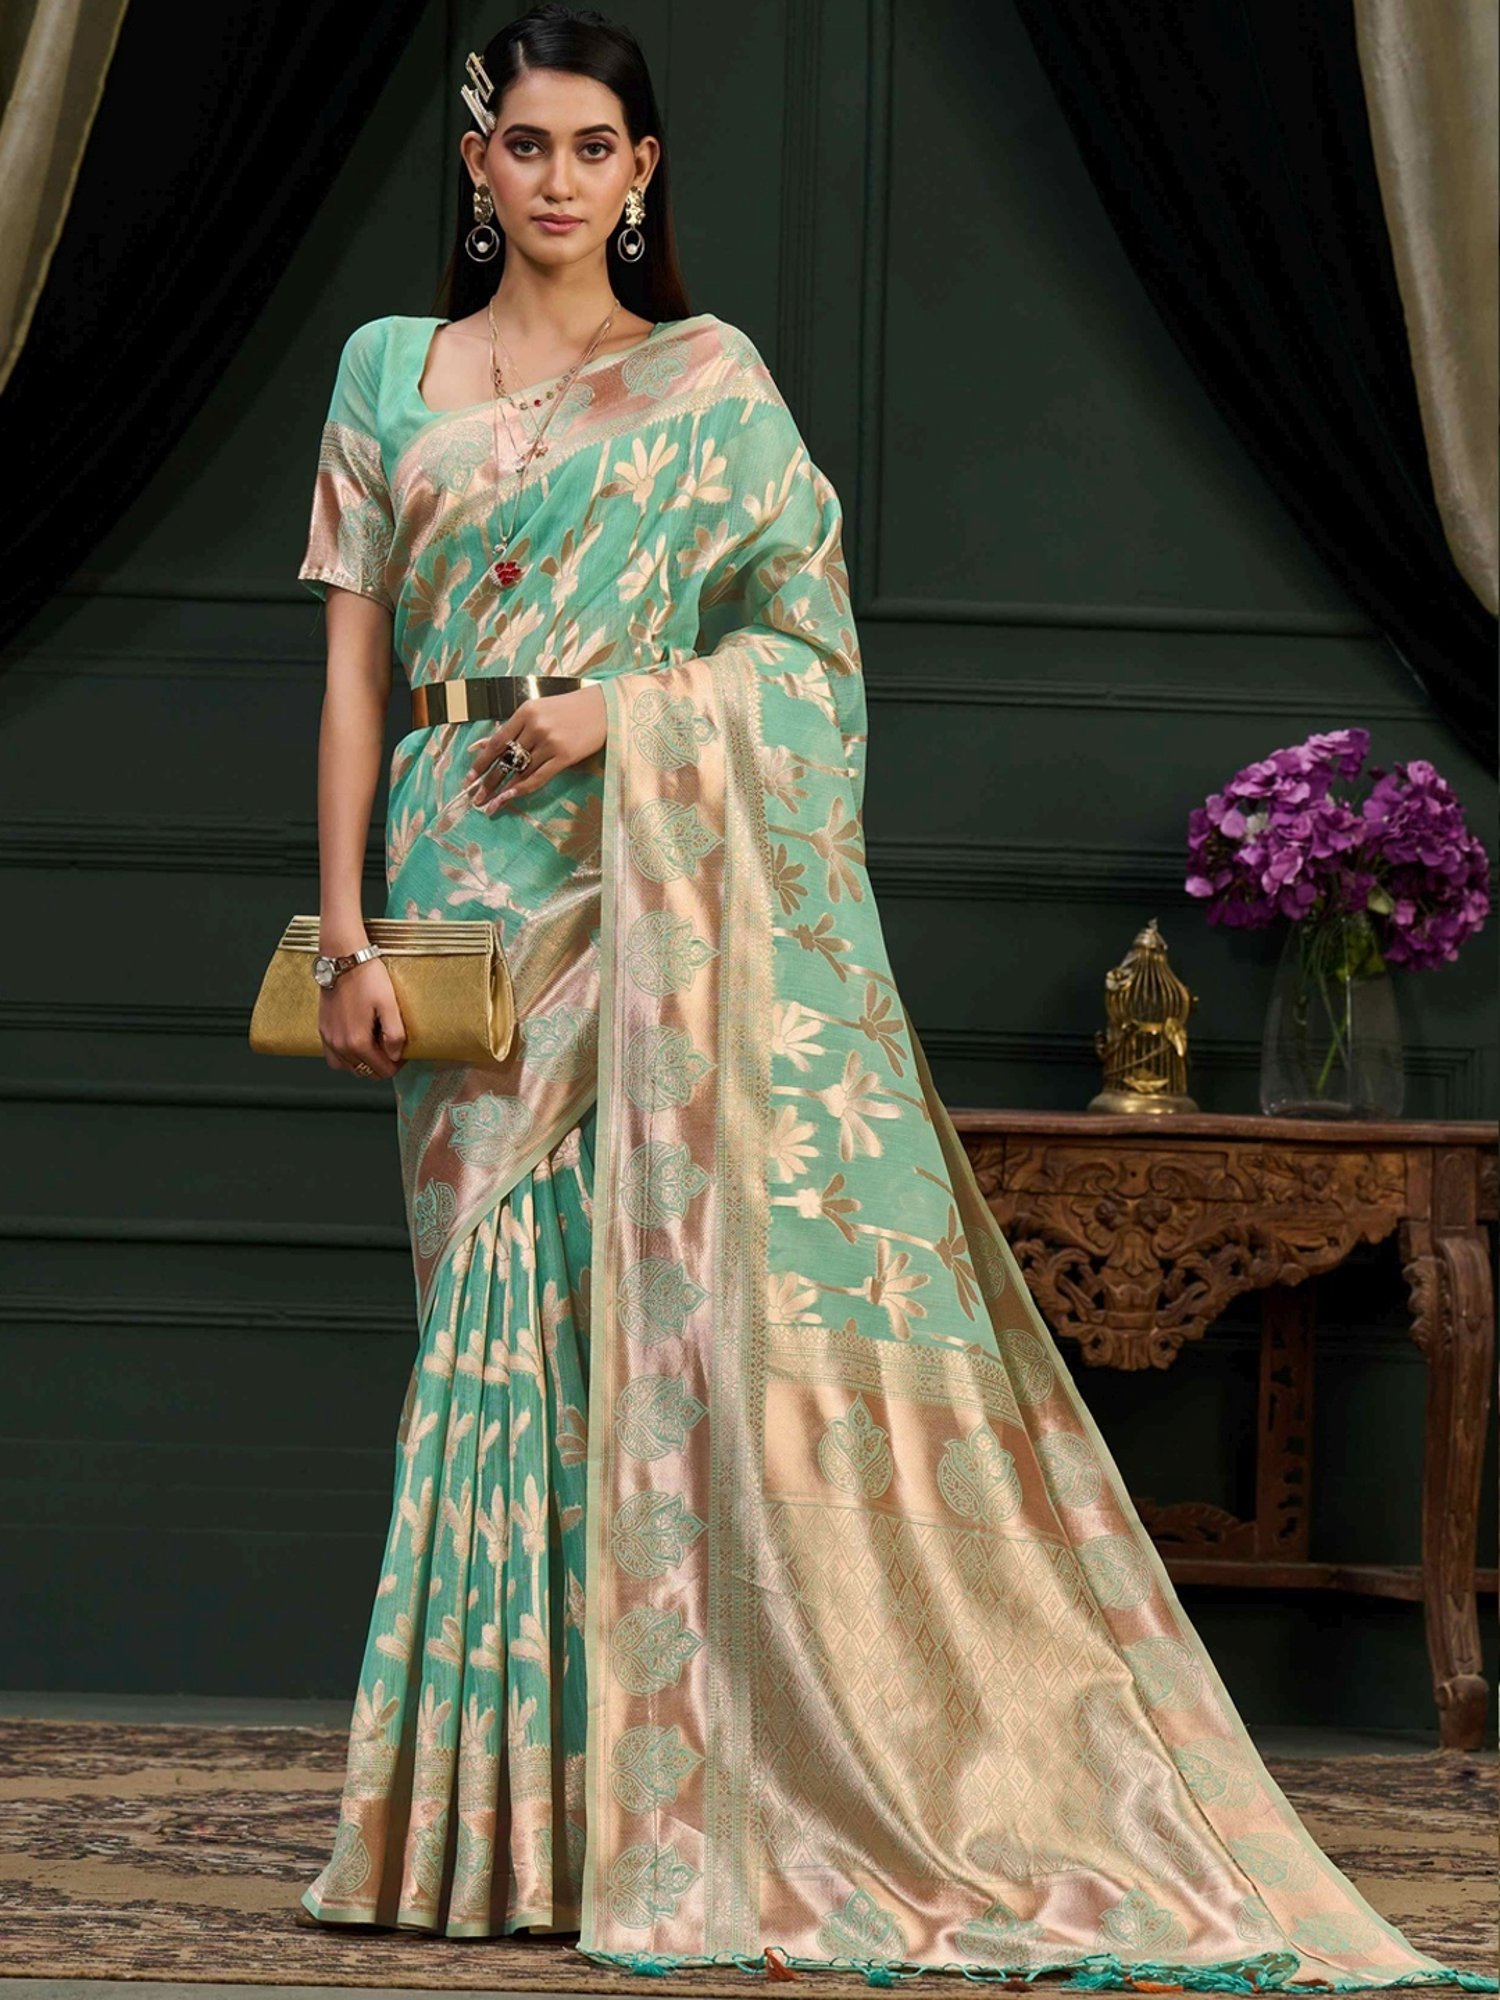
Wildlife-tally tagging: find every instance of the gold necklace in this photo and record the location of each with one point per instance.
(502, 567)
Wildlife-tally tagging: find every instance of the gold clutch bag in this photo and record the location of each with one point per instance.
(450, 980)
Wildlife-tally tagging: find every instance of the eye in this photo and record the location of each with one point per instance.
(605, 149)
(521, 142)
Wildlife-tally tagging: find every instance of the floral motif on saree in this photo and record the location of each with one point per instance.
(865, 1653)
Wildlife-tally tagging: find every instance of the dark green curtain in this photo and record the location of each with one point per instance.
(1229, 143)
(216, 138)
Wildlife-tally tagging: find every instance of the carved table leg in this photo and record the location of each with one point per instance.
(1446, 1263)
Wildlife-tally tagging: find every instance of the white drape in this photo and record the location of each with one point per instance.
(1430, 76)
(54, 56)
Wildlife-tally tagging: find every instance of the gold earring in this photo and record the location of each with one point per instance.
(630, 243)
(483, 240)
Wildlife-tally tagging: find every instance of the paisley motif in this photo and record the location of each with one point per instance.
(668, 840)
(650, 1648)
(656, 1295)
(855, 1453)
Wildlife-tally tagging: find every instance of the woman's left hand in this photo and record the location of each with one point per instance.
(557, 729)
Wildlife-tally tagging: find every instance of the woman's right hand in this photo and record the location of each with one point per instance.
(360, 1020)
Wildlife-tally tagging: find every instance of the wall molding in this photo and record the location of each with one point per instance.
(973, 870)
(874, 257)
(203, 843)
(191, 1096)
(189, 1314)
(183, 1231)
(159, 663)
(878, 608)
(1453, 1070)
(796, 315)
(1118, 699)
(161, 587)
(884, 609)
(871, 604)
(1009, 870)
(1222, 1052)
(103, 1017)
(228, 1316)
(1027, 871)
(945, 686)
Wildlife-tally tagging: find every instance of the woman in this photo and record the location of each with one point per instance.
(756, 1577)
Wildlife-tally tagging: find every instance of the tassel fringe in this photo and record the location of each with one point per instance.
(1267, 1972)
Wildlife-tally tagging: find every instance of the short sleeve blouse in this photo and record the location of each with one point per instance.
(352, 530)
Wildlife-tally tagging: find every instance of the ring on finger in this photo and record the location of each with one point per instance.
(515, 757)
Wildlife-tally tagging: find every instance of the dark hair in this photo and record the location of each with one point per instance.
(552, 36)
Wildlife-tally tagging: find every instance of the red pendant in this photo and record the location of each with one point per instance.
(505, 572)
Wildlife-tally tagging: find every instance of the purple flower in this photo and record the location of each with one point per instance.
(1278, 842)
(1436, 873)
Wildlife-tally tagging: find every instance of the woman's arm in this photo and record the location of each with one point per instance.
(358, 1015)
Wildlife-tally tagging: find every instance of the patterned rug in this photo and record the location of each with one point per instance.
(175, 1851)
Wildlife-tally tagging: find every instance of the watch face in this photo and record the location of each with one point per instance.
(323, 970)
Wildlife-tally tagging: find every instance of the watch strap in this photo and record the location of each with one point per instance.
(351, 958)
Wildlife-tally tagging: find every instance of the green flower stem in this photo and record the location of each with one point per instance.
(1333, 948)
(1336, 1046)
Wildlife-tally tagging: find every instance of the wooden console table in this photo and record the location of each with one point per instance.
(1134, 1233)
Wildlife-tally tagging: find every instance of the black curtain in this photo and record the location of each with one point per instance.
(1229, 143)
(216, 136)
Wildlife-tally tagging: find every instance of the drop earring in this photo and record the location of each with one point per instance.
(483, 240)
(630, 243)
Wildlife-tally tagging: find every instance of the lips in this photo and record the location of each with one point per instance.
(558, 221)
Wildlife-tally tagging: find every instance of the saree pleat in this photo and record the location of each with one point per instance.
(844, 1637)
(462, 1803)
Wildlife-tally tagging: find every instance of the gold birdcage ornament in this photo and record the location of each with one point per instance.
(1144, 1048)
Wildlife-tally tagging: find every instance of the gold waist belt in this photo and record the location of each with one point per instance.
(489, 696)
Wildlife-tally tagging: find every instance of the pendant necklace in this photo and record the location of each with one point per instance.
(502, 567)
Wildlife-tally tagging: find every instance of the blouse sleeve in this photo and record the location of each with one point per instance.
(778, 582)
(352, 529)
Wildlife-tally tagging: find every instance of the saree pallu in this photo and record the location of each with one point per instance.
(758, 1578)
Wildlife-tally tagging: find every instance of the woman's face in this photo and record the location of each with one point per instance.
(559, 149)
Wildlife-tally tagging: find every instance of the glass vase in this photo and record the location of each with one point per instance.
(1332, 1046)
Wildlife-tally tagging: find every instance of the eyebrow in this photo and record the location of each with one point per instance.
(542, 131)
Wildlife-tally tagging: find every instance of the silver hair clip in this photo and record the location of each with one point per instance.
(478, 100)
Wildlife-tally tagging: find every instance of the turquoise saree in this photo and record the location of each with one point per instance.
(756, 1576)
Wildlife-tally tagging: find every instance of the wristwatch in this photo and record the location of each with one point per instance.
(325, 970)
